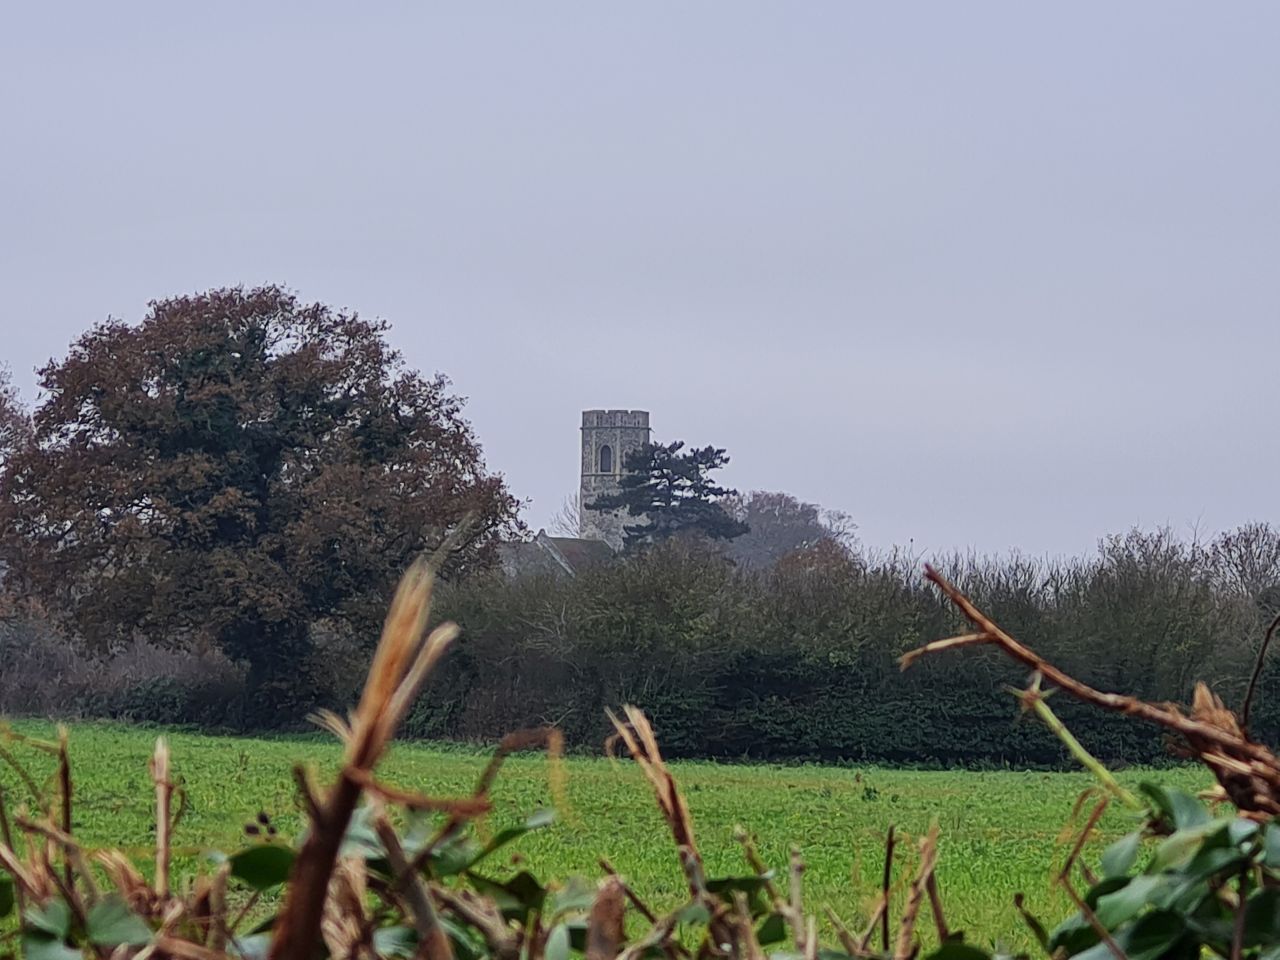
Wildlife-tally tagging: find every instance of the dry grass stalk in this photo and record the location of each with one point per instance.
(164, 796)
(433, 943)
(64, 793)
(637, 734)
(906, 945)
(401, 663)
(749, 948)
(1257, 671)
(885, 881)
(605, 930)
(1248, 771)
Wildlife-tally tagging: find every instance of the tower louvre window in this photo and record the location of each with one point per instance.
(606, 459)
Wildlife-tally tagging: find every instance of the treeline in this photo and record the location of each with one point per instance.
(796, 661)
(800, 661)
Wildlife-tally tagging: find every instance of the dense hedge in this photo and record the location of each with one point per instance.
(800, 662)
(796, 662)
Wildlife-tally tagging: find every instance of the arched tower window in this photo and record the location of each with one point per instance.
(606, 459)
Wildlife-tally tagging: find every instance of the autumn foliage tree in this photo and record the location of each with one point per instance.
(13, 419)
(240, 467)
(779, 524)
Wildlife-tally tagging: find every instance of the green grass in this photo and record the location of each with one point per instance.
(1000, 831)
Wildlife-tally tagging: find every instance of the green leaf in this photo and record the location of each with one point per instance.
(361, 839)
(263, 867)
(1241, 831)
(557, 943)
(6, 896)
(1119, 858)
(693, 913)
(516, 898)
(575, 896)
(1181, 809)
(1102, 888)
(110, 923)
(394, 942)
(454, 857)
(1033, 923)
(1177, 850)
(466, 946)
(1153, 936)
(753, 887)
(1115, 908)
(39, 946)
(54, 919)
(1072, 936)
(773, 930)
(538, 820)
(1271, 846)
(1262, 918)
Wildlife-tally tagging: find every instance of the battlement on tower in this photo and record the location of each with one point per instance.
(608, 438)
(615, 418)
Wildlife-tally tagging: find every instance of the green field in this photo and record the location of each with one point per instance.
(1001, 831)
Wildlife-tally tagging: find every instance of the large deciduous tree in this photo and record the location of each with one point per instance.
(239, 467)
(669, 492)
(13, 418)
(779, 524)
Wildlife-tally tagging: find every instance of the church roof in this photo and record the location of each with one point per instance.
(562, 556)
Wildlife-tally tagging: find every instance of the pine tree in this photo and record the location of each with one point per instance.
(670, 492)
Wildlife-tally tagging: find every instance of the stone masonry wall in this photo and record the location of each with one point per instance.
(622, 431)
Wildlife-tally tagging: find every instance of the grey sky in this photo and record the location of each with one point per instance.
(981, 274)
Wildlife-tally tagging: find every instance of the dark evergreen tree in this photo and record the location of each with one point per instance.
(670, 492)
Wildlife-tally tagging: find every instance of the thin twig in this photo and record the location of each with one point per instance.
(928, 861)
(605, 931)
(64, 790)
(951, 643)
(464, 807)
(1237, 931)
(796, 901)
(878, 913)
(244, 912)
(164, 794)
(1198, 733)
(1257, 672)
(1034, 700)
(935, 903)
(6, 836)
(632, 896)
(433, 943)
(887, 877)
(1085, 833)
(307, 791)
(217, 939)
(72, 854)
(842, 933)
(1092, 919)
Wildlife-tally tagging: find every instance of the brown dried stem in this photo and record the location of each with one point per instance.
(433, 942)
(6, 837)
(1257, 672)
(400, 665)
(164, 795)
(928, 861)
(886, 879)
(64, 793)
(605, 933)
(1211, 731)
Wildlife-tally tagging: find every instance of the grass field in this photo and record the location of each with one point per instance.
(1001, 830)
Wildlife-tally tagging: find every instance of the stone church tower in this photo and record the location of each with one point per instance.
(607, 437)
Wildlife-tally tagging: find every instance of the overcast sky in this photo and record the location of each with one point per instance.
(989, 275)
